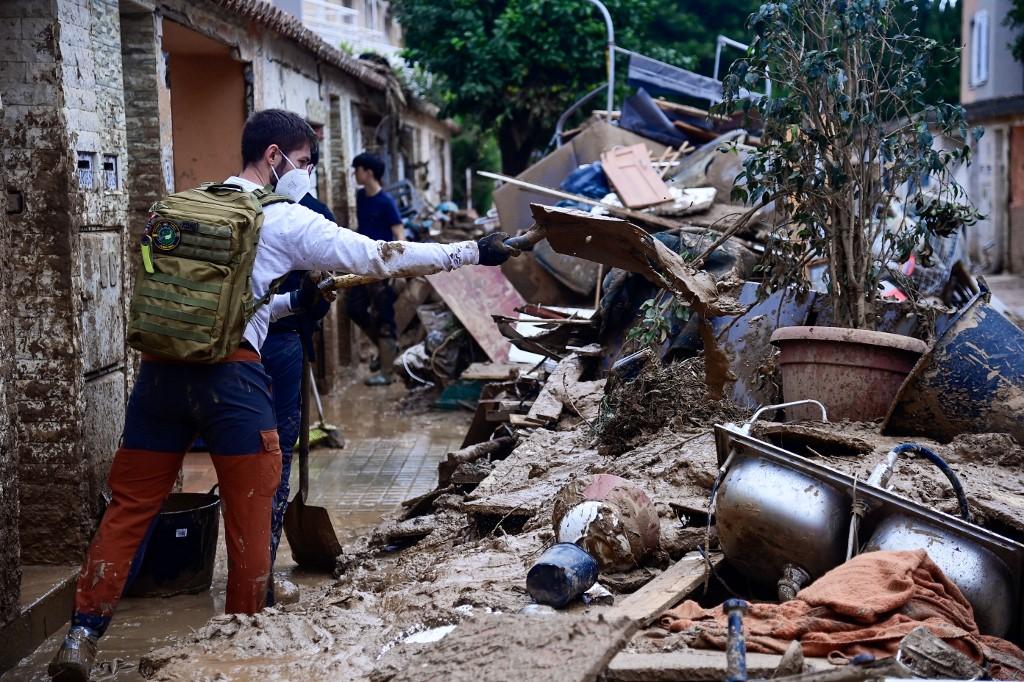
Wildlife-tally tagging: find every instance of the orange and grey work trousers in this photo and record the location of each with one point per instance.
(229, 404)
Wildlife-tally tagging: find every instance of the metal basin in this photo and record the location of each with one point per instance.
(984, 579)
(769, 515)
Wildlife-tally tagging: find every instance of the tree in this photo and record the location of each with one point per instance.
(514, 65)
(847, 153)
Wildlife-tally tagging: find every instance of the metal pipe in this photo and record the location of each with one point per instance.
(610, 57)
(736, 649)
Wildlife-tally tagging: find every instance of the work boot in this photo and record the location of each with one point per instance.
(74, 659)
(387, 349)
(378, 379)
(285, 591)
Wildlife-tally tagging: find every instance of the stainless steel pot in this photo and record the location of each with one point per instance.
(984, 579)
(770, 515)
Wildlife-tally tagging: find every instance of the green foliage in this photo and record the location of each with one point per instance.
(478, 150)
(1015, 19)
(847, 153)
(656, 318)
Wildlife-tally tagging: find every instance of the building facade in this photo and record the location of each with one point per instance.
(992, 92)
(108, 105)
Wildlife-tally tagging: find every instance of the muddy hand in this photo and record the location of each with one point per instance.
(526, 241)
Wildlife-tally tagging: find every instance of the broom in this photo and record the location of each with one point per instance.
(322, 434)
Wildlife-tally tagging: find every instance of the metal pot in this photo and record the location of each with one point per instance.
(984, 579)
(769, 515)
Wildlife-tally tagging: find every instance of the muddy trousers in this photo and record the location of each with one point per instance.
(282, 358)
(229, 405)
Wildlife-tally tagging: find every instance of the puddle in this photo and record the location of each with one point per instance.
(388, 457)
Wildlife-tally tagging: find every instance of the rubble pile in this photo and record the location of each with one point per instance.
(642, 435)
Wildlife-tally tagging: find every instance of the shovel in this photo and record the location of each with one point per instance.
(308, 529)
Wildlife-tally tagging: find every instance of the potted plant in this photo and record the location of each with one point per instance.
(850, 160)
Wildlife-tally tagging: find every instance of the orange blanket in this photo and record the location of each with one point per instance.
(866, 605)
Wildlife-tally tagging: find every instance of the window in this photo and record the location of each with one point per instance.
(110, 180)
(86, 166)
(979, 49)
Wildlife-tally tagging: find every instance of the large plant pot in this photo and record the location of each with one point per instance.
(855, 373)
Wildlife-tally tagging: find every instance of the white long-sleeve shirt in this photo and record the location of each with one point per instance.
(296, 238)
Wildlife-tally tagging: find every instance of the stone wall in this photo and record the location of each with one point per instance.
(63, 121)
(10, 547)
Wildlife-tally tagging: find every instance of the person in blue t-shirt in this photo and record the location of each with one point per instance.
(372, 306)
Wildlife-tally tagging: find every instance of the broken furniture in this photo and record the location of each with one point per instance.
(780, 515)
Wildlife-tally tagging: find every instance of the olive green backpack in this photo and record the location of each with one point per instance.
(193, 293)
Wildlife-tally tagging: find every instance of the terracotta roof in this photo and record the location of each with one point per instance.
(290, 27)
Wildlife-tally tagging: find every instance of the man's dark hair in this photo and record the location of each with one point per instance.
(370, 162)
(287, 130)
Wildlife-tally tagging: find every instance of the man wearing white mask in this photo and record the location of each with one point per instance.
(228, 403)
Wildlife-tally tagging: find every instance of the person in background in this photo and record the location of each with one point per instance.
(289, 341)
(372, 306)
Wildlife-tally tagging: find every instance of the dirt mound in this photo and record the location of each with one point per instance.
(673, 396)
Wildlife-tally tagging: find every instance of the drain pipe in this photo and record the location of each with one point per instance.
(883, 472)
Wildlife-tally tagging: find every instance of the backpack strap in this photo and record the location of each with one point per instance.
(266, 196)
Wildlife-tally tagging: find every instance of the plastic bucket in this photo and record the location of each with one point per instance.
(179, 554)
(562, 574)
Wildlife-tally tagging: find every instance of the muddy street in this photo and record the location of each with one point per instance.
(389, 456)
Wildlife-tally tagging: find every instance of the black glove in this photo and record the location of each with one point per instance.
(493, 250)
(306, 296)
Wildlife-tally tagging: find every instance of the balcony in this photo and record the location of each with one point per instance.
(340, 25)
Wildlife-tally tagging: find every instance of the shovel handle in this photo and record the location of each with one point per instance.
(304, 430)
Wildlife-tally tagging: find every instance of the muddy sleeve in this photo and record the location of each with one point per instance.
(311, 242)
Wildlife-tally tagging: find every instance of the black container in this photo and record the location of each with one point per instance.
(182, 547)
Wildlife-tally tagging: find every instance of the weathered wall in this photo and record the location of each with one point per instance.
(1005, 74)
(10, 546)
(147, 114)
(62, 93)
(207, 114)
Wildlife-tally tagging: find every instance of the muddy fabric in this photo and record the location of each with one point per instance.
(229, 405)
(866, 605)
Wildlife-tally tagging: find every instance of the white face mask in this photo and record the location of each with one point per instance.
(294, 184)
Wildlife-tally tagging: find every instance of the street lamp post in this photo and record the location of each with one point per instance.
(610, 56)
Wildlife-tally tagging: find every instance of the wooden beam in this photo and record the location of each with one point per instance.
(646, 604)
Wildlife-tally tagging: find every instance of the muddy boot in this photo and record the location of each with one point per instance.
(387, 350)
(285, 591)
(74, 659)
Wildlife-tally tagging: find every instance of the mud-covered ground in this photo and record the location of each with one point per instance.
(480, 545)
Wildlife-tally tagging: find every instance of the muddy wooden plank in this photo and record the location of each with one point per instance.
(630, 172)
(548, 406)
(694, 664)
(474, 293)
(668, 589)
(511, 648)
(491, 371)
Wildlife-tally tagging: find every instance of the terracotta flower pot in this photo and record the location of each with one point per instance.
(855, 373)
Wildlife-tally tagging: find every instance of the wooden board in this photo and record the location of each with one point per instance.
(548, 406)
(474, 293)
(648, 603)
(511, 648)
(694, 664)
(491, 371)
(636, 182)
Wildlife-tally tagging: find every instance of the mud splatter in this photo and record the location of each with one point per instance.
(389, 250)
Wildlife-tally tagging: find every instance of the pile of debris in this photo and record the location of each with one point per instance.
(622, 509)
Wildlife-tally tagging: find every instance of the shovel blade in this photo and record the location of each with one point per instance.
(311, 536)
